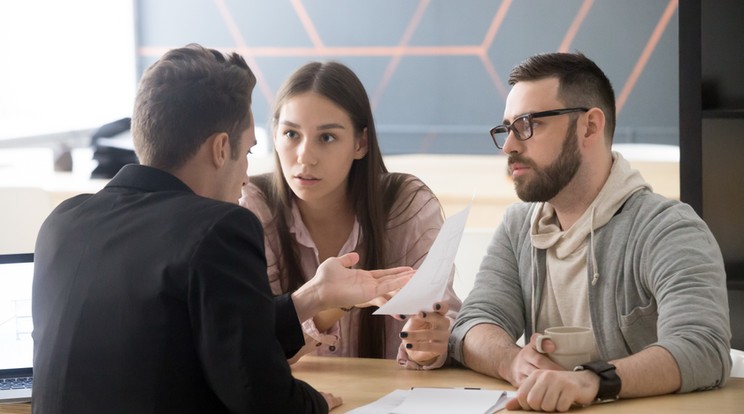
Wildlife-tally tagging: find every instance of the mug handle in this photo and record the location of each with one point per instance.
(539, 341)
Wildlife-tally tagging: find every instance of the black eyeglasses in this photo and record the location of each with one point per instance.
(522, 126)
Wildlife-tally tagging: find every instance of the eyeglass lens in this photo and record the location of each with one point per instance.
(522, 128)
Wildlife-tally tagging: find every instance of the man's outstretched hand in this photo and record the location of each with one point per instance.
(336, 285)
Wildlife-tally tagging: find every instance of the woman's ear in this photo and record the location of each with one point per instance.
(361, 145)
(220, 146)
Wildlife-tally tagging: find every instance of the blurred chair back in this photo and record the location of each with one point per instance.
(22, 210)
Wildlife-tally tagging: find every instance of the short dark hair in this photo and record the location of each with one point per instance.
(582, 82)
(186, 96)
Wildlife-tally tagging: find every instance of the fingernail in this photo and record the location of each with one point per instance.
(409, 346)
(402, 316)
(404, 334)
(437, 306)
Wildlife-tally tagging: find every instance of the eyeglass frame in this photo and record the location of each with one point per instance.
(529, 117)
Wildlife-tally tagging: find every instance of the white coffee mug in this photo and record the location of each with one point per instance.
(573, 345)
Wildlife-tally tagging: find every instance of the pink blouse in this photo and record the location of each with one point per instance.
(410, 234)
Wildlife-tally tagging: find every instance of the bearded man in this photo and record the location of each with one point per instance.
(591, 246)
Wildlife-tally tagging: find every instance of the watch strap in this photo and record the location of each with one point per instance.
(609, 382)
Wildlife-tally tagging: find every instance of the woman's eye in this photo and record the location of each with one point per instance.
(327, 138)
(290, 134)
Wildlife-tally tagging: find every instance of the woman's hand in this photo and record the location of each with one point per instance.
(426, 335)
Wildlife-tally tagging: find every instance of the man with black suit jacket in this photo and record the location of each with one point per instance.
(151, 295)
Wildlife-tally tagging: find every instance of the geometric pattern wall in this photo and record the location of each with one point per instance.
(436, 70)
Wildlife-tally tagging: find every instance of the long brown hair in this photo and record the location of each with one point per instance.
(371, 189)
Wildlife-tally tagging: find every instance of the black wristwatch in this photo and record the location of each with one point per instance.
(609, 382)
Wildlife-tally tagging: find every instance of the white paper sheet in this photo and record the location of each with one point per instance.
(384, 405)
(438, 400)
(429, 283)
(451, 400)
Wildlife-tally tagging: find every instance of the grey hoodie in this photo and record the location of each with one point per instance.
(565, 299)
(661, 282)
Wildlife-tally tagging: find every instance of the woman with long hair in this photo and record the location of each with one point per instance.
(329, 194)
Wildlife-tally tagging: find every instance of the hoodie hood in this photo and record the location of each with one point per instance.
(569, 255)
(622, 182)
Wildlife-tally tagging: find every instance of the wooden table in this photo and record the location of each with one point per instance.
(361, 381)
(17, 408)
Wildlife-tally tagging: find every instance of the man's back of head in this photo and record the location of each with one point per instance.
(186, 96)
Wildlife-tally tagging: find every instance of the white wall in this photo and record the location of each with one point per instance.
(67, 65)
(469, 256)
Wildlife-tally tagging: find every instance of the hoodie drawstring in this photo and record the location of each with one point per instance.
(533, 273)
(595, 276)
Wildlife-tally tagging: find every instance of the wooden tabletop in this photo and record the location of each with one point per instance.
(24, 408)
(360, 381)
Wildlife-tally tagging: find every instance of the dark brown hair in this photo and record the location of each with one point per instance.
(582, 82)
(186, 96)
(372, 190)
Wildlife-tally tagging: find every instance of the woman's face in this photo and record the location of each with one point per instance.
(315, 141)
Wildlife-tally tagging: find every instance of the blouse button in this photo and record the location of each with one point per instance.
(332, 348)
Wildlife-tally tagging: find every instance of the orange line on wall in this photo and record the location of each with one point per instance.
(237, 37)
(494, 75)
(575, 25)
(336, 51)
(319, 50)
(307, 23)
(647, 51)
(414, 22)
(393, 64)
(498, 19)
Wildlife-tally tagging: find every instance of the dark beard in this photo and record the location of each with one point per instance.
(553, 178)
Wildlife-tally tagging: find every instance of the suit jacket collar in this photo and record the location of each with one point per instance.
(148, 179)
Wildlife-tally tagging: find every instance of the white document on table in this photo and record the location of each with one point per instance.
(384, 405)
(428, 285)
(452, 400)
(438, 400)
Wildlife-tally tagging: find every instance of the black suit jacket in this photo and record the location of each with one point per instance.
(150, 298)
